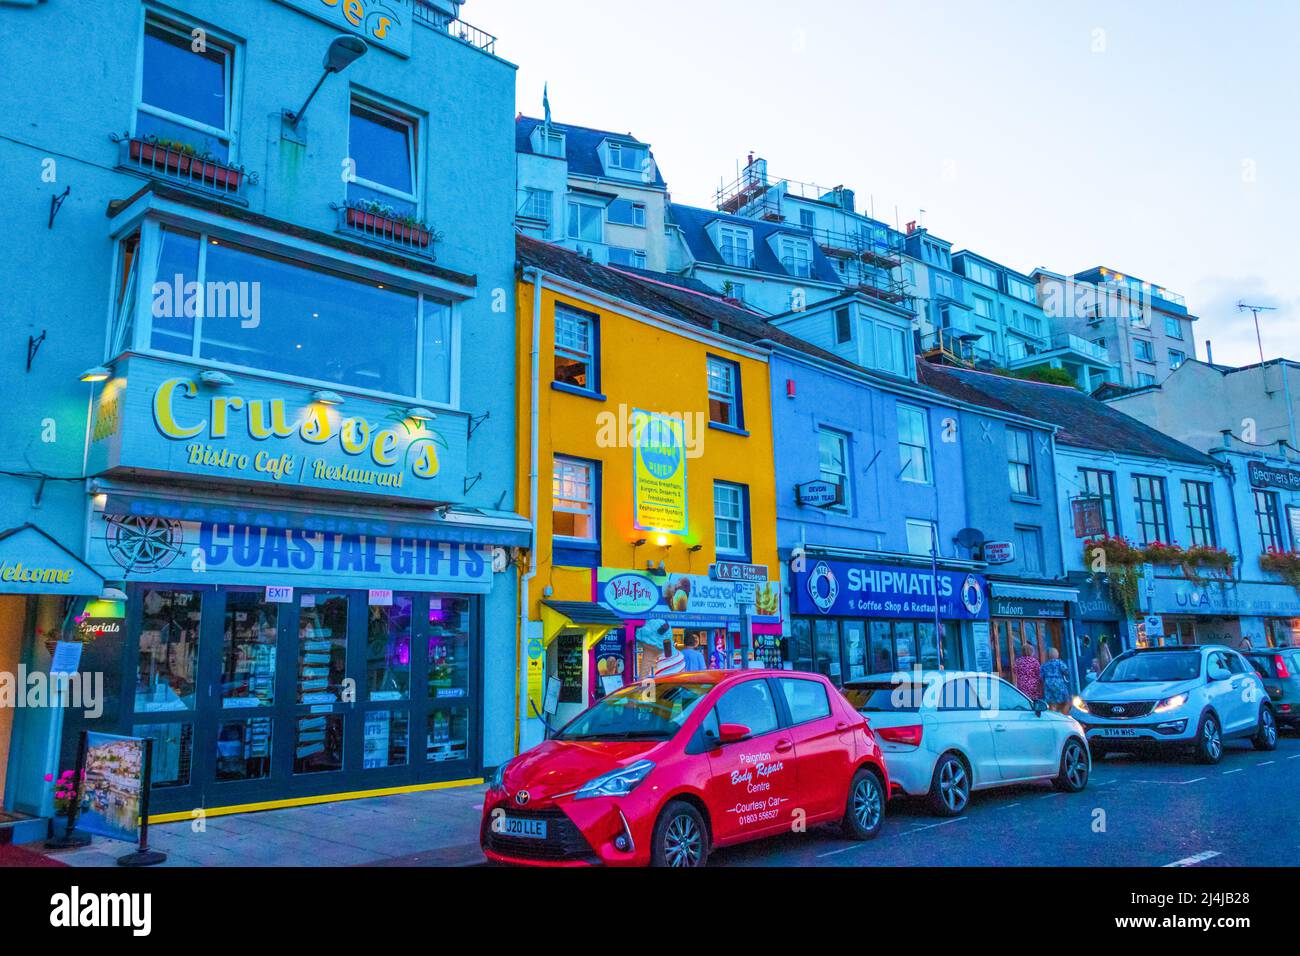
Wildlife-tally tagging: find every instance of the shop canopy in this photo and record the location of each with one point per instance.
(1033, 592)
(594, 620)
(34, 562)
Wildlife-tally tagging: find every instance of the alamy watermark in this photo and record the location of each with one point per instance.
(180, 298)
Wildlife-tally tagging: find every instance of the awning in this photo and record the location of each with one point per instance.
(594, 620)
(460, 525)
(34, 562)
(1033, 592)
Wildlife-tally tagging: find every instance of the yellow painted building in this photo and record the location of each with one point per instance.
(618, 363)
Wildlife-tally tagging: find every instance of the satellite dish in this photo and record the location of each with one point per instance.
(972, 539)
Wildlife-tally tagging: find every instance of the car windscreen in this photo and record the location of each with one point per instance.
(1264, 664)
(882, 698)
(653, 712)
(1161, 666)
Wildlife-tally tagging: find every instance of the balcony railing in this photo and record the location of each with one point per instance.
(387, 228)
(426, 12)
(162, 159)
(1065, 342)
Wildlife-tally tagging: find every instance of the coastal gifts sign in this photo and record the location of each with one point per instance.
(158, 417)
(659, 472)
(383, 23)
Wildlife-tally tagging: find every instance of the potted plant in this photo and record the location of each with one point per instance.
(1285, 563)
(184, 159)
(385, 221)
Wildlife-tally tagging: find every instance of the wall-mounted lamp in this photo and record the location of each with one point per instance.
(343, 52)
(663, 542)
(99, 373)
(422, 415)
(215, 379)
(110, 593)
(695, 549)
(326, 397)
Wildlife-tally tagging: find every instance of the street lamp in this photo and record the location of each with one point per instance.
(343, 52)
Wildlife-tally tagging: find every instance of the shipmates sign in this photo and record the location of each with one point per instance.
(156, 416)
(857, 589)
(382, 23)
(659, 472)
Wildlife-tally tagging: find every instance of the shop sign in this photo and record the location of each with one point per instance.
(31, 562)
(1155, 625)
(741, 573)
(859, 589)
(381, 597)
(155, 417)
(819, 494)
(178, 552)
(659, 472)
(1270, 476)
(112, 793)
(276, 594)
(999, 552)
(679, 599)
(1024, 607)
(983, 647)
(1089, 517)
(382, 23)
(67, 657)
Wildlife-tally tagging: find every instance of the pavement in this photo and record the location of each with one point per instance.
(432, 828)
(1149, 811)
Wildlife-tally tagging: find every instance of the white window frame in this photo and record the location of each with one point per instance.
(796, 251)
(1175, 363)
(1150, 349)
(904, 408)
(562, 467)
(732, 398)
(841, 477)
(738, 520)
(573, 203)
(614, 151)
(931, 537)
(414, 145)
(568, 351)
(638, 256)
(530, 205)
(727, 238)
(146, 267)
(234, 63)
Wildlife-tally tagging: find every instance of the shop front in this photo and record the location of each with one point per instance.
(316, 629)
(1024, 614)
(854, 618)
(1241, 614)
(1099, 622)
(637, 618)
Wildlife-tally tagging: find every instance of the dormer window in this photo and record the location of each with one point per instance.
(736, 244)
(626, 157)
(796, 256)
(548, 143)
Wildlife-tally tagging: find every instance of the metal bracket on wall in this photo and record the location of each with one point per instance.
(476, 421)
(33, 346)
(472, 481)
(56, 203)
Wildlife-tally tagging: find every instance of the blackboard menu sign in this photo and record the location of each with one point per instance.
(568, 668)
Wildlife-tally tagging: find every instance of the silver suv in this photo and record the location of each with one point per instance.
(1190, 697)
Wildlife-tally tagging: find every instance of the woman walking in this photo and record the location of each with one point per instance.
(1029, 679)
(1056, 682)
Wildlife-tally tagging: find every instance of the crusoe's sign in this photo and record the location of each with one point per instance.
(255, 430)
(383, 23)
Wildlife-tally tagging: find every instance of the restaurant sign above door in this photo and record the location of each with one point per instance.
(159, 417)
(382, 23)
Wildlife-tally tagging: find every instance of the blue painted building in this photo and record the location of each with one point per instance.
(243, 417)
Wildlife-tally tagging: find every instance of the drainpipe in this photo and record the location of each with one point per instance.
(1231, 473)
(535, 401)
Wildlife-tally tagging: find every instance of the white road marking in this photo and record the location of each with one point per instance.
(1183, 783)
(1194, 860)
(1238, 770)
(1294, 757)
(858, 846)
(1265, 763)
(933, 825)
(1009, 806)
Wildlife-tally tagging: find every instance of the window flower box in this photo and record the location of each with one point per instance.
(184, 162)
(1285, 563)
(389, 226)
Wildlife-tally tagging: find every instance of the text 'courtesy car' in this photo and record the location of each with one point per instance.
(663, 772)
(947, 734)
(1193, 698)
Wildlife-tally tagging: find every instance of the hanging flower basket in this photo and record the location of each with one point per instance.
(1285, 563)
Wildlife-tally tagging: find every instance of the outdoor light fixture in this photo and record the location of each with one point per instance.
(662, 541)
(695, 548)
(112, 594)
(97, 374)
(216, 379)
(326, 397)
(418, 414)
(343, 52)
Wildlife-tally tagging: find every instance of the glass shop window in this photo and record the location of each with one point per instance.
(388, 651)
(248, 651)
(449, 642)
(169, 651)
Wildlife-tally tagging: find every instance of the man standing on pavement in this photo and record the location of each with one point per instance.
(694, 659)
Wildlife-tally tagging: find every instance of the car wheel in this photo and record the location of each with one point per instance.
(950, 788)
(680, 837)
(1074, 768)
(1266, 736)
(865, 813)
(1209, 740)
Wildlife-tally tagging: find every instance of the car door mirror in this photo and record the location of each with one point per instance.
(732, 733)
(1216, 671)
(1040, 707)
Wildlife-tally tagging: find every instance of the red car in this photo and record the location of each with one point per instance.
(660, 773)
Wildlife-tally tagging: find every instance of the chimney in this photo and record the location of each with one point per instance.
(1209, 352)
(911, 227)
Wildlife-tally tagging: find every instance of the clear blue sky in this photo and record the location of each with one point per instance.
(1160, 138)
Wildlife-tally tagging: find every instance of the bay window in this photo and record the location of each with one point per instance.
(209, 299)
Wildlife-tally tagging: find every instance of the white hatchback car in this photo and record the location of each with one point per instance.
(945, 734)
(1191, 697)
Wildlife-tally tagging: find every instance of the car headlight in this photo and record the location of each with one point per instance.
(498, 781)
(1171, 703)
(616, 783)
(1080, 704)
